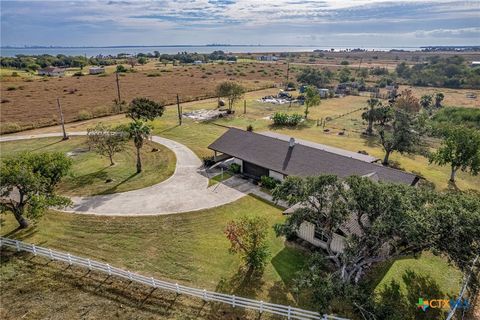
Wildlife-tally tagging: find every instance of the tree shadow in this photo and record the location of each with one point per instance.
(168, 129)
(114, 188)
(48, 145)
(244, 283)
(370, 141)
(87, 179)
(395, 302)
(22, 234)
(286, 263)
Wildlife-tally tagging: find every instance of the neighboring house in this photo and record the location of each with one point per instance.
(96, 70)
(267, 58)
(52, 72)
(263, 155)
(324, 93)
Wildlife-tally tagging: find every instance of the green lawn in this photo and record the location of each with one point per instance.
(188, 248)
(437, 268)
(199, 135)
(90, 171)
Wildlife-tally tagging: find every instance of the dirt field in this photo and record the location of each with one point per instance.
(31, 102)
(453, 97)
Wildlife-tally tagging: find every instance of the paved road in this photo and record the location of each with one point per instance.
(186, 190)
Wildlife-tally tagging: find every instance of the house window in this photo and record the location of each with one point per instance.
(319, 234)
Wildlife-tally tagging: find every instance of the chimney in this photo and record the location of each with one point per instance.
(291, 143)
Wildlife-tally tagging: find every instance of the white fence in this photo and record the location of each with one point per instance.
(234, 301)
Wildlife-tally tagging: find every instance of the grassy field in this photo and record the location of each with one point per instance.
(54, 291)
(187, 248)
(447, 277)
(344, 131)
(90, 170)
(198, 136)
(29, 103)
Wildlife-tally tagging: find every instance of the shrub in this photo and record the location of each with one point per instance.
(121, 68)
(101, 111)
(344, 63)
(9, 127)
(78, 74)
(235, 168)
(283, 119)
(250, 128)
(11, 88)
(208, 161)
(268, 182)
(84, 115)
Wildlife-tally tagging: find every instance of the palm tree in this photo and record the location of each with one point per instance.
(139, 132)
(370, 114)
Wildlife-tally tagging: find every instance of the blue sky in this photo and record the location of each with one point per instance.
(353, 23)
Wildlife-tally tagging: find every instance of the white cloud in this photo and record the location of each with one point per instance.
(234, 21)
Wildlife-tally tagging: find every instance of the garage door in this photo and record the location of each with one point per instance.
(254, 170)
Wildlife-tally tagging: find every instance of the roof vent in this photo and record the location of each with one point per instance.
(291, 142)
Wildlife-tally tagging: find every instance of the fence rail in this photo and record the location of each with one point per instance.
(232, 300)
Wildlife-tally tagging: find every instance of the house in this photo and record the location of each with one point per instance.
(277, 156)
(198, 62)
(267, 58)
(96, 70)
(52, 72)
(309, 232)
(266, 155)
(475, 64)
(324, 93)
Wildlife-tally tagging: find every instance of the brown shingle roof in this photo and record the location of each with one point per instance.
(300, 160)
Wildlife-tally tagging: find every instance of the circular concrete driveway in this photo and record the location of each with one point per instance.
(186, 190)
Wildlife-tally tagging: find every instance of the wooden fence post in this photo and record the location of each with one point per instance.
(244, 106)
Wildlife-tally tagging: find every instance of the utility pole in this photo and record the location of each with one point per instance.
(179, 109)
(118, 88)
(288, 72)
(65, 137)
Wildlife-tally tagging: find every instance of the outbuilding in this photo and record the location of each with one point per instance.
(52, 72)
(96, 70)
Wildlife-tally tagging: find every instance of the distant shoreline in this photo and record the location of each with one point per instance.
(92, 51)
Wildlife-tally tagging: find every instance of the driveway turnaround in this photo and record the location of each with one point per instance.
(186, 190)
